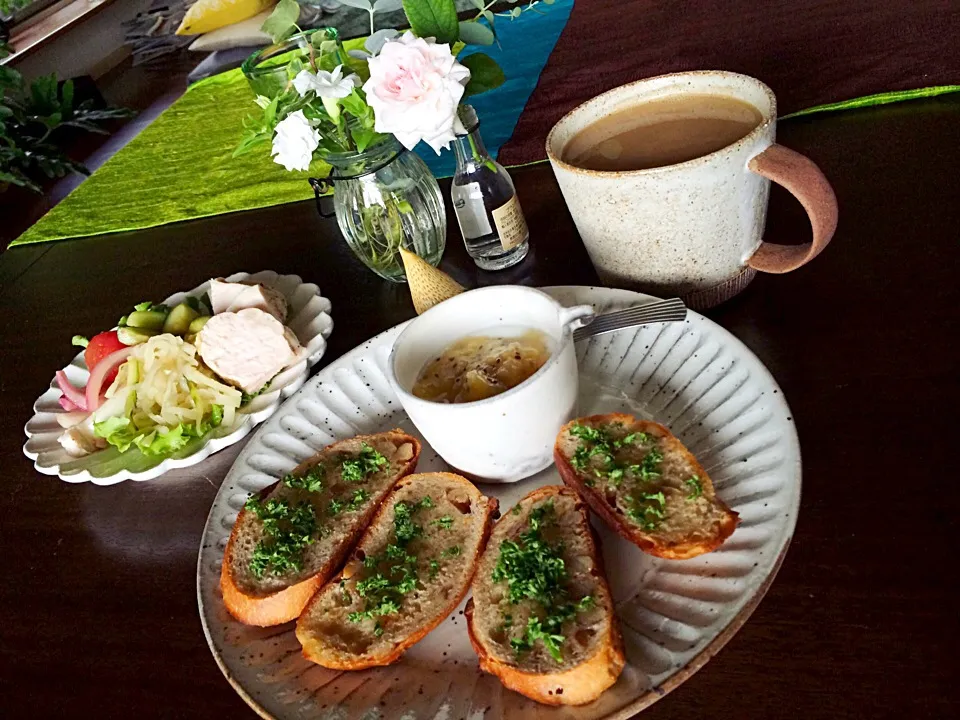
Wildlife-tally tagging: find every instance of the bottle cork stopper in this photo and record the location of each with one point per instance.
(428, 286)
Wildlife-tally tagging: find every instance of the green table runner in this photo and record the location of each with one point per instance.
(179, 167)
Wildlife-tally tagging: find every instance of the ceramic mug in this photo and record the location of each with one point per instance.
(506, 437)
(693, 229)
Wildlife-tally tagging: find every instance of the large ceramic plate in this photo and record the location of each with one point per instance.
(694, 377)
(309, 319)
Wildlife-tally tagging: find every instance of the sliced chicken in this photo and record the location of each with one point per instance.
(231, 297)
(79, 440)
(247, 348)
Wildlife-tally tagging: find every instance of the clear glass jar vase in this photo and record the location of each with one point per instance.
(386, 198)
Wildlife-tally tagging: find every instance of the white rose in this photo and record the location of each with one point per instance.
(294, 141)
(414, 88)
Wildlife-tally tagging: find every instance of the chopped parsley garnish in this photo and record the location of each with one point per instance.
(647, 509)
(649, 467)
(311, 481)
(445, 522)
(356, 501)
(359, 498)
(696, 489)
(535, 570)
(287, 531)
(589, 433)
(395, 570)
(597, 441)
(365, 464)
(452, 551)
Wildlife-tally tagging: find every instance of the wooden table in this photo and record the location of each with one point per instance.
(98, 599)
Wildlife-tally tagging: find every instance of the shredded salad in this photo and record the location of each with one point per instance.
(162, 398)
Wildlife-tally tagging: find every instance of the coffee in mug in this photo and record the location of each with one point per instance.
(667, 181)
(662, 132)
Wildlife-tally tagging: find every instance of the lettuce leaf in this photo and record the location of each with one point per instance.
(118, 431)
(155, 440)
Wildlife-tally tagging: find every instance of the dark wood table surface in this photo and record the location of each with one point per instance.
(98, 611)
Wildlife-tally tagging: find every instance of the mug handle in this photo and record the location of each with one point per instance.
(576, 316)
(804, 180)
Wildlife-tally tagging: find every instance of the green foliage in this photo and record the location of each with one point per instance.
(8, 7)
(485, 74)
(433, 18)
(282, 22)
(351, 130)
(473, 32)
(347, 124)
(30, 118)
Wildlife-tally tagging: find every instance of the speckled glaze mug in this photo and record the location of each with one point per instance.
(693, 229)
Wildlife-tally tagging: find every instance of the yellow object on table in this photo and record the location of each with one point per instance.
(206, 15)
(428, 286)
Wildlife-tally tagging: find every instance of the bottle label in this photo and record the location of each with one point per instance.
(471, 213)
(511, 225)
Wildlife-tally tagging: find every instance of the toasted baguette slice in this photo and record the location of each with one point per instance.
(591, 651)
(433, 545)
(270, 599)
(687, 520)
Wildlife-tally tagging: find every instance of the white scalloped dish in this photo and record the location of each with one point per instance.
(309, 318)
(694, 377)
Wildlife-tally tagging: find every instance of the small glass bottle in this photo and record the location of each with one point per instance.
(491, 221)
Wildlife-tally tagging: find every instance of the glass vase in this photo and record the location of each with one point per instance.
(386, 198)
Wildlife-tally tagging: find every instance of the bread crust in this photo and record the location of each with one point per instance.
(582, 683)
(647, 542)
(315, 651)
(287, 604)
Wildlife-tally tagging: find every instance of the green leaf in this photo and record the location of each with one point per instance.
(473, 33)
(66, 97)
(162, 443)
(485, 74)
(118, 431)
(282, 21)
(364, 137)
(433, 18)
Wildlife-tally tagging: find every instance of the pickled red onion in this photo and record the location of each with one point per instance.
(71, 393)
(68, 404)
(99, 373)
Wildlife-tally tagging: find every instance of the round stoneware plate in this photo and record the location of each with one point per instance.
(694, 377)
(309, 318)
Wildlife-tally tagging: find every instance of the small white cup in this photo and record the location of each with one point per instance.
(510, 436)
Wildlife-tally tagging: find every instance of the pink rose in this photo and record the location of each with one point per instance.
(414, 88)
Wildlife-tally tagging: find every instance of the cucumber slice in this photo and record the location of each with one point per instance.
(196, 325)
(147, 319)
(179, 319)
(134, 335)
